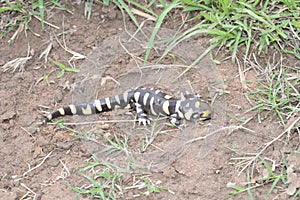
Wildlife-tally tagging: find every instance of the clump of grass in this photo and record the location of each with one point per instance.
(64, 69)
(253, 25)
(16, 15)
(116, 146)
(282, 174)
(280, 179)
(260, 182)
(143, 10)
(152, 187)
(280, 97)
(105, 180)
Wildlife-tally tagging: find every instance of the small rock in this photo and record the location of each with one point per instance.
(53, 161)
(105, 126)
(64, 145)
(7, 115)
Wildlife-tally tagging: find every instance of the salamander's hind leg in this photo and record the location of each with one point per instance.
(141, 115)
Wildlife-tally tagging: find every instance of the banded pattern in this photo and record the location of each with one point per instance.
(144, 101)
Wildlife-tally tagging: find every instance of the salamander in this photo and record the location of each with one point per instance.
(144, 101)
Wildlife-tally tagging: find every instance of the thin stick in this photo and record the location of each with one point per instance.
(101, 121)
(27, 188)
(35, 167)
(65, 167)
(269, 143)
(27, 132)
(242, 75)
(48, 23)
(232, 128)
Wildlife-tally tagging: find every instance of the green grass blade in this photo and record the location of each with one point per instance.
(122, 5)
(237, 118)
(59, 5)
(237, 189)
(236, 45)
(195, 6)
(187, 34)
(16, 8)
(273, 185)
(90, 5)
(142, 7)
(296, 194)
(267, 166)
(249, 186)
(194, 63)
(61, 73)
(63, 67)
(78, 190)
(42, 13)
(157, 27)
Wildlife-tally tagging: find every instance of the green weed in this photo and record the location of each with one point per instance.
(150, 134)
(46, 77)
(151, 187)
(18, 14)
(280, 97)
(125, 8)
(260, 182)
(116, 145)
(64, 69)
(244, 24)
(105, 180)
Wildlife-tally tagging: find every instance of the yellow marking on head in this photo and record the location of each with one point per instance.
(98, 105)
(87, 110)
(151, 106)
(73, 109)
(165, 107)
(145, 98)
(61, 111)
(137, 96)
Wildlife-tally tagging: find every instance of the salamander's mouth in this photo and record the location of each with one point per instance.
(205, 115)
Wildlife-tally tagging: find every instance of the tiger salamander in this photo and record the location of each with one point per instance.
(144, 101)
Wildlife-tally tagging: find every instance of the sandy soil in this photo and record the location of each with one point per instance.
(40, 161)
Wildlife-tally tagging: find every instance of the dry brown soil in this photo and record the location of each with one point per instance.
(42, 160)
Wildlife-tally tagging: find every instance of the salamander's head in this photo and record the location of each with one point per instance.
(194, 109)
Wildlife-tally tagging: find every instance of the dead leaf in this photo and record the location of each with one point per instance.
(293, 179)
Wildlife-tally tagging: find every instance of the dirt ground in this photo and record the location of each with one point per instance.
(37, 162)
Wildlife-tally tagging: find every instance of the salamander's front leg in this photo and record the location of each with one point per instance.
(141, 115)
(175, 120)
